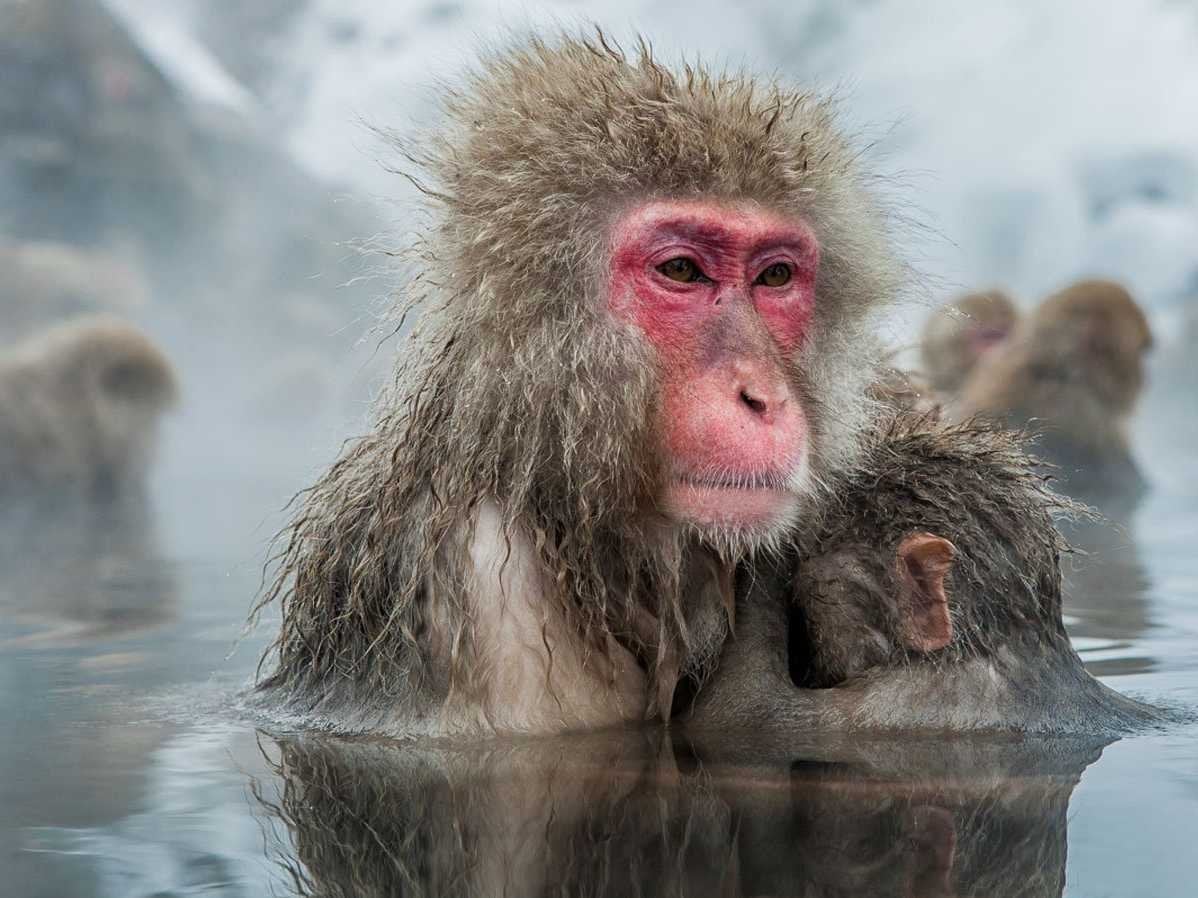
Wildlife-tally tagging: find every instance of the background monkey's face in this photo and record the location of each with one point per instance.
(725, 294)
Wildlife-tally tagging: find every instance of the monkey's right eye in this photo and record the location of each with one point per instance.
(681, 269)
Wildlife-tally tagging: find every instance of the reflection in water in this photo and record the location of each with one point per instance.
(82, 570)
(924, 820)
(598, 816)
(636, 814)
(80, 583)
(1106, 587)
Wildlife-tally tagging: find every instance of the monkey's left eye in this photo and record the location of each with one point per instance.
(777, 275)
(681, 269)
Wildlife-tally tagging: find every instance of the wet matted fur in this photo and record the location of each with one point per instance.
(518, 391)
(1009, 666)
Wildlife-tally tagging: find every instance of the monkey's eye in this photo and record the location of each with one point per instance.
(777, 275)
(681, 269)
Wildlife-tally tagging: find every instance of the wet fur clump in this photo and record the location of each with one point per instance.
(1010, 664)
(519, 391)
(79, 409)
(971, 483)
(818, 642)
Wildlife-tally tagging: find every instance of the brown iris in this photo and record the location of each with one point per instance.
(681, 269)
(777, 275)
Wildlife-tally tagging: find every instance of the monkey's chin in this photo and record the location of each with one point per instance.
(740, 512)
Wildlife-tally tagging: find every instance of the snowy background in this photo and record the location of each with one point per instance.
(1039, 141)
(224, 149)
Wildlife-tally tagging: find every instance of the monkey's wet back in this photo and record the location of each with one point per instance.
(123, 770)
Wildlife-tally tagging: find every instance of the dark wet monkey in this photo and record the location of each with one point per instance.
(928, 599)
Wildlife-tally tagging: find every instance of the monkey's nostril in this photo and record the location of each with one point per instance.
(755, 404)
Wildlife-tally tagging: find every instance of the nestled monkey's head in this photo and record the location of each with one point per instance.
(946, 550)
(667, 275)
(941, 571)
(866, 606)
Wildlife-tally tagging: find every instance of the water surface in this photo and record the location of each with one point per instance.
(126, 773)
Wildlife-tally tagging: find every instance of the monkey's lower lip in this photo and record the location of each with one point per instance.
(741, 503)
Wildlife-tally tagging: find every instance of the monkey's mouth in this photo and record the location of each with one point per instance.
(743, 501)
(734, 482)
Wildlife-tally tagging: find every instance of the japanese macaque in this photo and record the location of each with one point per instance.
(960, 334)
(1072, 372)
(79, 409)
(644, 351)
(929, 599)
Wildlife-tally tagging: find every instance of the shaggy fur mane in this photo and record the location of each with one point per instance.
(518, 389)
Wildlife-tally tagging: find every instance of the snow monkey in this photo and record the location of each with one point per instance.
(644, 353)
(960, 334)
(929, 598)
(80, 408)
(1072, 372)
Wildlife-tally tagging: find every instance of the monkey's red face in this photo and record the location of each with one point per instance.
(725, 294)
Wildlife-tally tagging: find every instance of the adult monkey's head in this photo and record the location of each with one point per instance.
(668, 276)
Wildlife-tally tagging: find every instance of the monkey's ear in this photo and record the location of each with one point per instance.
(923, 563)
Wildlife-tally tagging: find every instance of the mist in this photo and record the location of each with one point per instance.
(226, 152)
